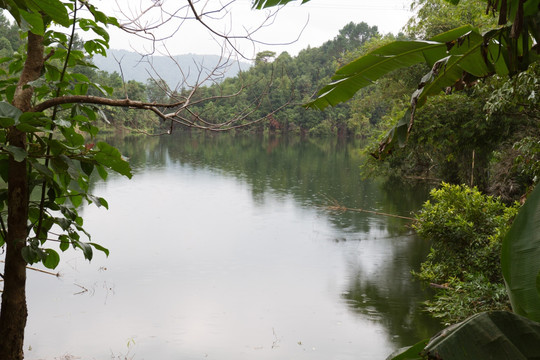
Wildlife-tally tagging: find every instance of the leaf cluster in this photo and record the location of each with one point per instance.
(465, 228)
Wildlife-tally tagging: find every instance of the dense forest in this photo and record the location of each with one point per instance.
(484, 136)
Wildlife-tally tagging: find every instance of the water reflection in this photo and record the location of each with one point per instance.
(221, 248)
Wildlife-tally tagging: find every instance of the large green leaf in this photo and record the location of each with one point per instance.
(261, 4)
(497, 335)
(409, 353)
(520, 258)
(368, 68)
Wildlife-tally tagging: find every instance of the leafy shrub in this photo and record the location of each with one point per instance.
(463, 299)
(466, 229)
(527, 163)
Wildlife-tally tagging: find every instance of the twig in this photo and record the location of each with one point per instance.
(57, 274)
(84, 290)
(437, 286)
(338, 207)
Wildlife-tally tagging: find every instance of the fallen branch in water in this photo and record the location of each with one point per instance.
(338, 207)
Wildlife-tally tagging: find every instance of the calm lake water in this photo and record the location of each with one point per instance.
(221, 248)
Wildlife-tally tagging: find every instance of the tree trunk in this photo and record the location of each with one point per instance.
(14, 312)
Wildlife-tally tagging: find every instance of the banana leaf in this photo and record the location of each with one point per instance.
(410, 352)
(497, 335)
(520, 259)
(368, 68)
(261, 4)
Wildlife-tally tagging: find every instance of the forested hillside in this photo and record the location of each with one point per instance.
(484, 136)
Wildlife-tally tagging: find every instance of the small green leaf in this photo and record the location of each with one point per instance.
(72, 169)
(76, 200)
(19, 154)
(102, 172)
(110, 157)
(64, 242)
(86, 249)
(80, 77)
(73, 138)
(30, 255)
(10, 92)
(103, 203)
(87, 167)
(27, 128)
(63, 223)
(6, 122)
(80, 89)
(9, 111)
(43, 170)
(59, 165)
(98, 201)
(52, 259)
(100, 248)
(32, 22)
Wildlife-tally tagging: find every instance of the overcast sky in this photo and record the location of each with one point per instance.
(322, 20)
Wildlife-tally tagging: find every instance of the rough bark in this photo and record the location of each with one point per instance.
(13, 313)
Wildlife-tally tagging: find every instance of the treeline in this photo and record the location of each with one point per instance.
(485, 135)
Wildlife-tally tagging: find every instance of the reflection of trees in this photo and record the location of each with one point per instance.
(388, 295)
(309, 170)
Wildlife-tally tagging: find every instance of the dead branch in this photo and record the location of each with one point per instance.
(84, 290)
(161, 21)
(57, 274)
(338, 207)
(443, 286)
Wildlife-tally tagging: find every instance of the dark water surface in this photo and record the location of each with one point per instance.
(221, 248)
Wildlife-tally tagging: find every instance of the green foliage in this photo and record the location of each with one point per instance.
(437, 16)
(456, 58)
(61, 150)
(465, 228)
(293, 80)
(527, 162)
(464, 298)
(519, 95)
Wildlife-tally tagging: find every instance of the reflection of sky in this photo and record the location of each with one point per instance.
(199, 269)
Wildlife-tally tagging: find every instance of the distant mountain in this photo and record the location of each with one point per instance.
(136, 67)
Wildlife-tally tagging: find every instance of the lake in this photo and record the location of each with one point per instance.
(222, 247)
